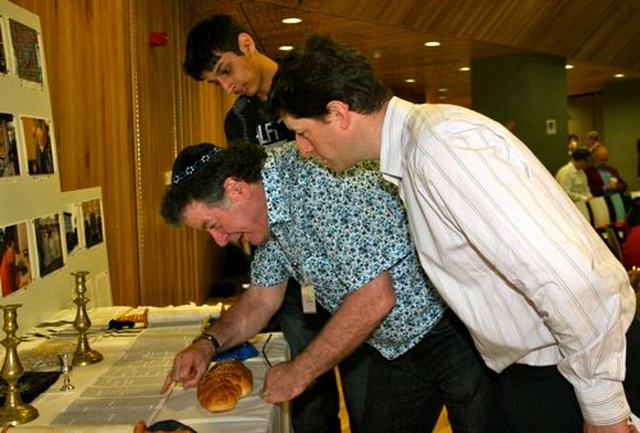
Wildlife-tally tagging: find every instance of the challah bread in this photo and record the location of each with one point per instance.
(222, 386)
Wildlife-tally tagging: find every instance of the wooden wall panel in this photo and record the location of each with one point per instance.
(176, 265)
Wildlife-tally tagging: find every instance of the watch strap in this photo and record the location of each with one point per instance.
(213, 340)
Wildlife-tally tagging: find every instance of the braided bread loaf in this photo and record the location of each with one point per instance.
(223, 385)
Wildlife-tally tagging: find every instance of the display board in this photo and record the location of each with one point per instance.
(45, 234)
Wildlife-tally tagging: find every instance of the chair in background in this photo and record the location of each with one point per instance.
(611, 239)
(584, 210)
(633, 216)
(617, 211)
(601, 218)
(618, 214)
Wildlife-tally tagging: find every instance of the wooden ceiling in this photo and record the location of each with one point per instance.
(599, 37)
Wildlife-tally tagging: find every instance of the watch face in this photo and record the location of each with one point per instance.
(27, 51)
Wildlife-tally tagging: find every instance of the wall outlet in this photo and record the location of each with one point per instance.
(551, 126)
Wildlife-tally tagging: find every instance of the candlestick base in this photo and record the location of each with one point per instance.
(19, 414)
(87, 358)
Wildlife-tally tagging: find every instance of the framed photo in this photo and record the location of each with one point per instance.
(39, 144)
(3, 52)
(9, 155)
(70, 216)
(92, 219)
(26, 49)
(15, 264)
(49, 244)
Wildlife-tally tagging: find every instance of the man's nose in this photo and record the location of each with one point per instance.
(226, 84)
(219, 238)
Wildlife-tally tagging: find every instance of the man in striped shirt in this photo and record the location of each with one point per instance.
(547, 304)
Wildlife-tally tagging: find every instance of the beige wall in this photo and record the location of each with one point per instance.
(122, 110)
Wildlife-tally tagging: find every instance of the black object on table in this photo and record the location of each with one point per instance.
(31, 385)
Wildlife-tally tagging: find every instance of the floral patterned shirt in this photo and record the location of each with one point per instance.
(339, 232)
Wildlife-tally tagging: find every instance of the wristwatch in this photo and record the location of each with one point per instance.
(213, 340)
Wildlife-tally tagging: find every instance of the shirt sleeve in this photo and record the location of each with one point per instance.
(269, 266)
(622, 184)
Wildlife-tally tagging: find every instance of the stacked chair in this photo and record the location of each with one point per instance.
(610, 218)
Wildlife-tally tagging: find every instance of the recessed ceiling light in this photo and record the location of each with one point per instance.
(619, 75)
(285, 48)
(464, 69)
(443, 89)
(292, 20)
(432, 44)
(410, 80)
(568, 66)
(442, 97)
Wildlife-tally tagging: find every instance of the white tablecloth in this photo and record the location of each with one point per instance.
(251, 415)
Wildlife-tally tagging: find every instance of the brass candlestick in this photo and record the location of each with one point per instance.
(14, 410)
(84, 355)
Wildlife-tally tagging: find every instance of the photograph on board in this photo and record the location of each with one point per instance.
(92, 218)
(49, 244)
(9, 155)
(39, 145)
(15, 267)
(70, 216)
(3, 54)
(26, 50)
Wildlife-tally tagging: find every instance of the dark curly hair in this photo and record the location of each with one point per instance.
(325, 70)
(207, 40)
(206, 183)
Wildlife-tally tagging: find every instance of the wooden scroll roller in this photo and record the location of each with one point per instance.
(129, 320)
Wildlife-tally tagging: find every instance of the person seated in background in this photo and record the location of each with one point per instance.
(603, 179)
(346, 239)
(573, 143)
(572, 177)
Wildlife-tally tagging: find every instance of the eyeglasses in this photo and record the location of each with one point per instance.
(264, 349)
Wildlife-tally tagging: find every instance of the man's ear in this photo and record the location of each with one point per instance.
(339, 112)
(234, 188)
(246, 44)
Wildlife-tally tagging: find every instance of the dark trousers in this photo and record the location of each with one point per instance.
(316, 410)
(407, 394)
(541, 400)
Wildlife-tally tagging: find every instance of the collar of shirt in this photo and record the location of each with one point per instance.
(274, 177)
(390, 153)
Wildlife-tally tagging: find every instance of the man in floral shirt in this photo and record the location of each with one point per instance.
(353, 254)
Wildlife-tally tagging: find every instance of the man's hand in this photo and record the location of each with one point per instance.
(621, 427)
(282, 383)
(189, 365)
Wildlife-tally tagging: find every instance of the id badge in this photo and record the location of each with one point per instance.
(308, 299)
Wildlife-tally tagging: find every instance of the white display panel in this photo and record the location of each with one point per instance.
(56, 233)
